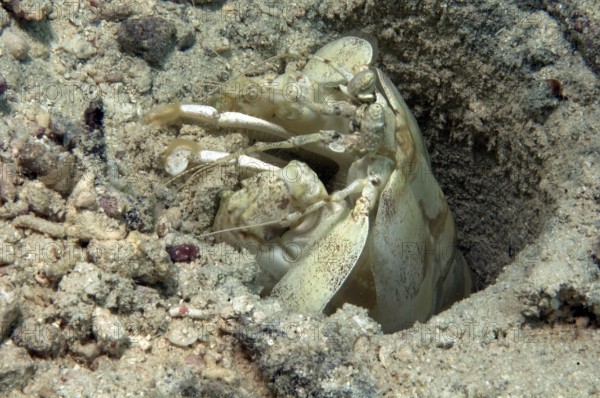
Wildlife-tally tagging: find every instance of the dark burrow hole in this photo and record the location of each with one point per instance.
(494, 218)
(482, 151)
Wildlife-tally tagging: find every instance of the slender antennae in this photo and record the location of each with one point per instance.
(293, 216)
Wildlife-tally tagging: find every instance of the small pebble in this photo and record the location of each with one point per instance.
(109, 332)
(445, 342)
(80, 47)
(86, 200)
(87, 351)
(42, 339)
(144, 343)
(110, 205)
(182, 333)
(42, 201)
(37, 158)
(16, 45)
(43, 119)
(83, 195)
(185, 252)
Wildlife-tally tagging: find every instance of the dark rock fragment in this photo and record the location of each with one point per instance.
(94, 116)
(151, 38)
(3, 85)
(95, 143)
(185, 252)
(140, 214)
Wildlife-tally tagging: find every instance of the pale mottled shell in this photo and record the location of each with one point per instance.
(348, 52)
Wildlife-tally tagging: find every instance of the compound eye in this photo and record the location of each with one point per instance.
(362, 86)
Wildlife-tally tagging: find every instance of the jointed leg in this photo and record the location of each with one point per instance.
(208, 114)
(325, 137)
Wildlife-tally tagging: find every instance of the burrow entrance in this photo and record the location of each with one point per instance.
(482, 113)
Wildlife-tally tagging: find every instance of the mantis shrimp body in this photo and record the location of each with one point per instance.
(386, 241)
